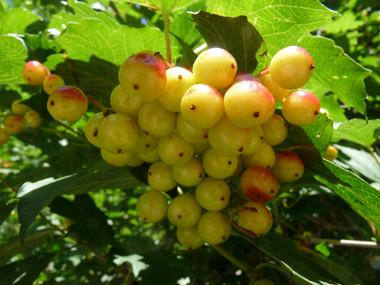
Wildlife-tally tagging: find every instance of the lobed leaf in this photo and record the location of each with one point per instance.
(16, 21)
(358, 131)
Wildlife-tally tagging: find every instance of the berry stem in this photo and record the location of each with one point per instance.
(167, 33)
(70, 129)
(263, 72)
(372, 152)
(291, 148)
(98, 104)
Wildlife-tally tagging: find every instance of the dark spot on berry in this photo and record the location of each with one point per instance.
(150, 173)
(51, 103)
(271, 190)
(200, 175)
(145, 218)
(285, 124)
(192, 107)
(205, 136)
(50, 86)
(268, 166)
(229, 162)
(223, 238)
(119, 150)
(233, 65)
(316, 113)
(135, 87)
(312, 66)
(29, 79)
(190, 247)
(146, 132)
(240, 149)
(180, 76)
(95, 134)
(181, 154)
(261, 137)
(256, 114)
(147, 145)
(221, 198)
(11, 126)
(296, 175)
(179, 217)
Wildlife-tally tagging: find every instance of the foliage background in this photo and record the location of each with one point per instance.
(108, 244)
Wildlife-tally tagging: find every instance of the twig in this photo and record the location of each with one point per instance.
(372, 152)
(167, 33)
(71, 69)
(70, 129)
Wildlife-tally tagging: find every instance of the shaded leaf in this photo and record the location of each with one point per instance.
(361, 196)
(5, 210)
(358, 131)
(188, 55)
(7, 97)
(360, 161)
(12, 59)
(236, 35)
(13, 247)
(35, 196)
(25, 271)
(38, 103)
(90, 223)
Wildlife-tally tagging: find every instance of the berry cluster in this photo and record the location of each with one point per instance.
(202, 127)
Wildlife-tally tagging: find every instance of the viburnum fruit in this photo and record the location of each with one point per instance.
(32, 119)
(240, 76)
(264, 157)
(143, 75)
(301, 108)
(288, 166)
(255, 217)
(119, 159)
(275, 130)
(52, 82)
(160, 176)
(117, 133)
(202, 106)
(213, 194)
(150, 157)
(34, 73)
(189, 174)
(249, 104)
(178, 81)
(214, 227)
(18, 108)
(152, 206)
(67, 103)
(215, 67)
(135, 161)
(217, 165)
(91, 130)
(14, 125)
(184, 211)
(265, 78)
(227, 138)
(331, 153)
(123, 103)
(201, 148)
(259, 184)
(256, 140)
(146, 143)
(174, 150)
(190, 237)
(189, 133)
(156, 120)
(291, 67)
(4, 136)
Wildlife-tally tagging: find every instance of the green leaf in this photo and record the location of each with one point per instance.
(10, 249)
(360, 161)
(38, 103)
(236, 35)
(323, 248)
(35, 196)
(7, 97)
(90, 223)
(93, 37)
(16, 21)
(362, 197)
(81, 10)
(25, 271)
(170, 5)
(337, 71)
(12, 59)
(304, 270)
(346, 22)
(5, 210)
(40, 41)
(358, 131)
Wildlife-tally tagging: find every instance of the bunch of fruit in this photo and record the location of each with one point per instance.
(201, 128)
